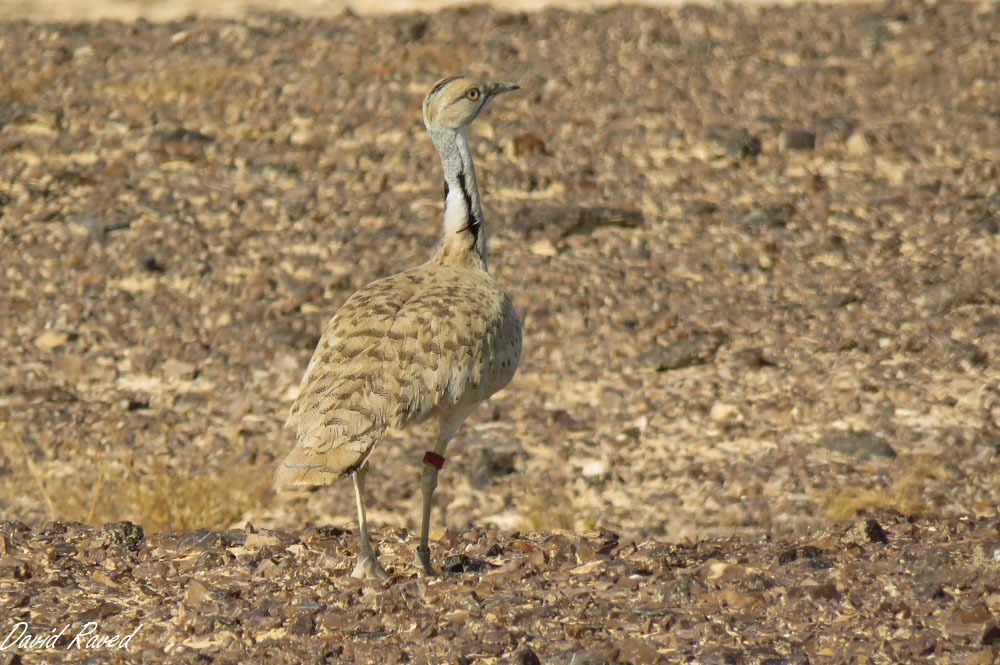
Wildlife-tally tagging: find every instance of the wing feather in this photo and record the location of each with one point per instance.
(397, 352)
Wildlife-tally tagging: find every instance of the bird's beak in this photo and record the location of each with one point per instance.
(500, 88)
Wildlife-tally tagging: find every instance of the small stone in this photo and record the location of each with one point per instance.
(769, 655)
(991, 636)
(863, 445)
(51, 339)
(962, 353)
(769, 216)
(810, 552)
(638, 652)
(324, 532)
(722, 412)
(858, 144)
(98, 225)
(720, 656)
(875, 532)
(199, 539)
(544, 247)
(752, 358)
(787, 556)
(528, 144)
(797, 139)
(560, 222)
(180, 143)
(177, 369)
(195, 593)
(302, 136)
(526, 656)
(152, 265)
(257, 540)
(826, 591)
(606, 654)
(981, 657)
(267, 569)
(13, 567)
(302, 624)
(562, 418)
(738, 142)
(101, 611)
(839, 127)
(594, 468)
(461, 563)
(987, 324)
(121, 534)
(978, 613)
(413, 31)
(841, 299)
(815, 182)
(696, 349)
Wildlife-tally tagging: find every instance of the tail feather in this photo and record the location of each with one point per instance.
(304, 467)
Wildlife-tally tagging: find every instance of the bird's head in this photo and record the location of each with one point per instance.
(455, 102)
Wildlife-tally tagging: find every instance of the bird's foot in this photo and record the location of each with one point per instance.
(424, 561)
(369, 568)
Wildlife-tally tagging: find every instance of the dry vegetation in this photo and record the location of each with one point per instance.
(755, 251)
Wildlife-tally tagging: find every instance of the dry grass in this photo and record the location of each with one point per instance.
(12, 434)
(27, 85)
(904, 491)
(162, 496)
(548, 509)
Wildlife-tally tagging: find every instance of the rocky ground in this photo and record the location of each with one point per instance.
(755, 251)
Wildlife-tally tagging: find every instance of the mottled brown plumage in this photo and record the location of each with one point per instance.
(431, 342)
(420, 344)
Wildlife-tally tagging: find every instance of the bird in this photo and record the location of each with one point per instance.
(429, 343)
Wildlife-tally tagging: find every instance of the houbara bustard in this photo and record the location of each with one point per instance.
(431, 342)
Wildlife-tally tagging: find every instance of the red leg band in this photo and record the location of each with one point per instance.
(433, 459)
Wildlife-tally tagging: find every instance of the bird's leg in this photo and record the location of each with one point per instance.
(428, 482)
(428, 479)
(368, 565)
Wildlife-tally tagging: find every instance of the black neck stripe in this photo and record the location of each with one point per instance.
(472, 224)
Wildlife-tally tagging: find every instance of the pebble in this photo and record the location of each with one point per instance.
(180, 143)
(99, 224)
(797, 139)
(752, 358)
(858, 144)
(862, 445)
(638, 652)
(528, 144)
(695, 349)
(302, 624)
(738, 142)
(722, 412)
(51, 339)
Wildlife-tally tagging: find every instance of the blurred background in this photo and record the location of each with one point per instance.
(165, 10)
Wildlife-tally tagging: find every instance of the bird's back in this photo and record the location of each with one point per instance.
(418, 344)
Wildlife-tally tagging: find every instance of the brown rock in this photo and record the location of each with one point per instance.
(636, 651)
(797, 139)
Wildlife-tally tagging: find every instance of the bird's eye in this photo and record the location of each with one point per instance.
(473, 94)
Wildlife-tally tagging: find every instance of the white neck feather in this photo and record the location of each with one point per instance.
(463, 212)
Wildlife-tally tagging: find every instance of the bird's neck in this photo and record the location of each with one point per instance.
(464, 237)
